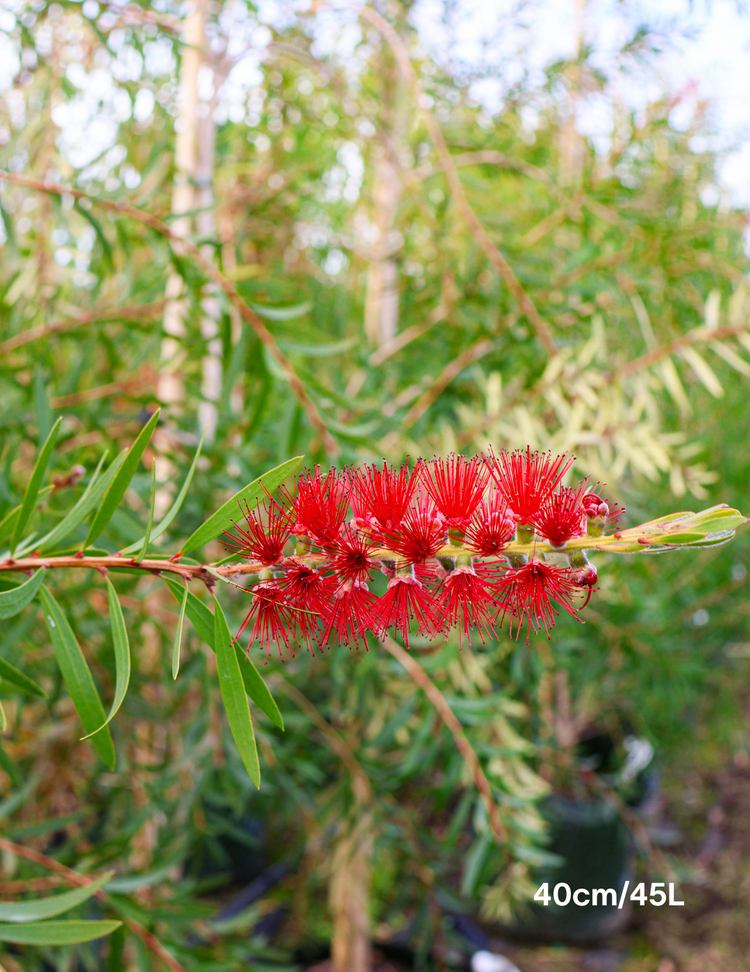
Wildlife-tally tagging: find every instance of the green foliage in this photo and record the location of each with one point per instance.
(643, 288)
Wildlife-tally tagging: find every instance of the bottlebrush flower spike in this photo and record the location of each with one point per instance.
(528, 592)
(562, 515)
(257, 541)
(492, 526)
(466, 601)
(405, 600)
(456, 486)
(271, 618)
(420, 534)
(527, 478)
(320, 507)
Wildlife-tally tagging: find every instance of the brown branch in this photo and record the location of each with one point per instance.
(433, 693)
(698, 335)
(446, 376)
(409, 334)
(127, 387)
(133, 313)
(493, 157)
(183, 246)
(451, 173)
(151, 942)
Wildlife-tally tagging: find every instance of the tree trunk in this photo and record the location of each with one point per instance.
(349, 899)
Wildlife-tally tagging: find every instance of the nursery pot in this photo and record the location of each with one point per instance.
(594, 850)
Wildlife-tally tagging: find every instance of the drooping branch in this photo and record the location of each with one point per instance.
(186, 247)
(433, 693)
(150, 940)
(135, 312)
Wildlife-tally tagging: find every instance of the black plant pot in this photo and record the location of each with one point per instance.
(596, 850)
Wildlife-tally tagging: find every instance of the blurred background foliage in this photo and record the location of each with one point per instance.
(601, 310)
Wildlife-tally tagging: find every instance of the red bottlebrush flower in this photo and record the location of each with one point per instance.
(259, 542)
(405, 600)
(562, 515)
(466, 600)
(456, 485)
(492, 526)
(350, 559)
(309, 595)
(527, 478)
(271, 617)
(529, 592)
(321, 506)
(348, 615)
(380, 497)
(421, 533)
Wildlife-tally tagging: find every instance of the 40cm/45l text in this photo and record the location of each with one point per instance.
(563, 895)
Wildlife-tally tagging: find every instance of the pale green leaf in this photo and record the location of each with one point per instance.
(116, 491)
(12, 602)
(11, 674)
(223, 518)
(233, 695)
(704, 371)
(54, 905)
(57, 932)
(34, 485)
(178, 633)
(122, 653)
(77, 677)
(175, 507)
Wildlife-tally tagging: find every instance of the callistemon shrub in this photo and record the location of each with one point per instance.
(485, 545)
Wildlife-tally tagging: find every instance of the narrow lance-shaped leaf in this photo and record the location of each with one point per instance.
(34, 484)
(233, 695)
(14, 601)
(89, 501)
(203, 622)
(175, 507)
(122, 654)
(77, 677)
(57, 932)
(11, 674)
(178, 634)
(54, 905)
(222, 519)
(147, 536)
(3, 719)
(116, 491)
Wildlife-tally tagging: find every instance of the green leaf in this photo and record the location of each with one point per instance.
(233, 695)
(9, 766)
(10, 674)
(178, 634)
(57, 932)
(54, 905)
(122, 653)
(116, 491)
(282, 313)
(678, 538)
(257, 689)
(77, 677)
(147, 535)
(3, 718)
(12, 602)
(222, 519)
(32, 490)
(203, 622)
(91, 498)
(8, 522)
(97, 228)
(175, 507)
